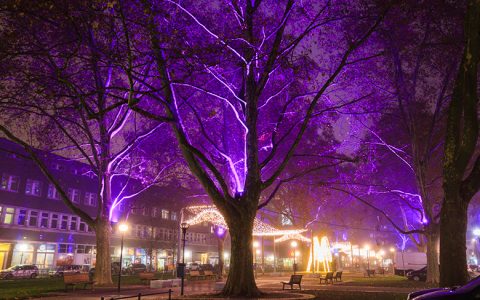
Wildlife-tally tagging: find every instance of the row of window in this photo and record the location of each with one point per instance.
(52, 220)
(156, 212)
(149, 232)
(41, 219)
(33, 187)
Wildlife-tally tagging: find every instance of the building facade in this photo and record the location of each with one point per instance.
(36, 227)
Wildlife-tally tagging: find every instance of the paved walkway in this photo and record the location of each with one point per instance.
(202, 287)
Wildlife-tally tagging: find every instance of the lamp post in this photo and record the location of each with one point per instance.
(255, 249)
(123, 227)
(294, 245)
(22, 248)
(392, 251)
(184, 226)
(367, 248)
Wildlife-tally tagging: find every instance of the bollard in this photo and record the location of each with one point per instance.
(139, 296)
(169, 294)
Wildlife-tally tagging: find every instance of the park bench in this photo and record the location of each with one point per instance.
(369, 273)
(338, 276)
(194, 275)
(328, 277)
(294, 279)
(146, 276)
(209, 274)
(76, 279)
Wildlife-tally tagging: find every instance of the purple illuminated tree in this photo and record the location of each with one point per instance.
(243, 92)
(66, 93)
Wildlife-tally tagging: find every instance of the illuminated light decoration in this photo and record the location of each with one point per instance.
(210, 214)
(323, 255)
(294, 236)
(476, 232)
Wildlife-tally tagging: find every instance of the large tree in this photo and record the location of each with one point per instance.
(66, 93)
(271, 65)
(461, 163)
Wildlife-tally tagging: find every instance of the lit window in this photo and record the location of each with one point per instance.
(33, 187)
(173, 216)
(10, 183)
(8, 218)
(90, 199)
(165, 214)
(52, 192)
(74, 195)
(33, 220)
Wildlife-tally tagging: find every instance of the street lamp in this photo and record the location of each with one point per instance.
(367, 248)
(184, 226)
(22, 248)
(294, 245)
(123, 227)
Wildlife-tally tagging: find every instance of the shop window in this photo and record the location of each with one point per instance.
(65, 248)
(33, 187)
(10, 183)
(33, 219)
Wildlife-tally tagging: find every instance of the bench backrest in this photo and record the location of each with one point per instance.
(329, 275)
(208, 273)
(75, 278)
(146, 275)
(296, 279)
(194, 273)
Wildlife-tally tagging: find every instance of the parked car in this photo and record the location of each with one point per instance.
(136, 268)
(67, 269)
(418, 275)
(19, 271)
(471, 290)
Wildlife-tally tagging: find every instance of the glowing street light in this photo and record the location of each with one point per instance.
(294, 245)
(122, 227)
(392, 249)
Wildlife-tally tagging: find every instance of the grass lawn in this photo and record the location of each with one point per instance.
(388, 281)
(345, 295)
(25, 288)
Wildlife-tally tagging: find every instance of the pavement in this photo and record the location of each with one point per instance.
(266, 283)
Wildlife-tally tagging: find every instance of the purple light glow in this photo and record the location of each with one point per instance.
(220, 231)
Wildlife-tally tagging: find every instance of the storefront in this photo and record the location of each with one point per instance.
(4, 250)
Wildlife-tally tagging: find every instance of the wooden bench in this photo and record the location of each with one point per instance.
(294, 279)
(369, 273)
(338, 276)
(76, 279)
(209, 274)
(328, 277)
(194, 275)
(146, 276)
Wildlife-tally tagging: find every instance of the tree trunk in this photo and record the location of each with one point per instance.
(433, 271)
(241, 279)
(453, 228)
(103, 271)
